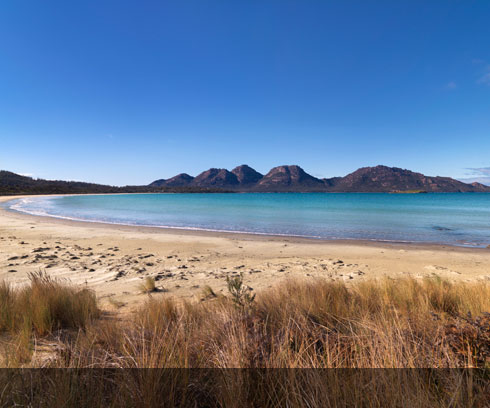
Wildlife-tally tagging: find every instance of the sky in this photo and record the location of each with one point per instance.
(126, 92)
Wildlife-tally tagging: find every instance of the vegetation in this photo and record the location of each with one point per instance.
(406, 324)
(240, 294)
(409, 192)
(148, 285)
(39, 309)
(15, 184)
(45, 305)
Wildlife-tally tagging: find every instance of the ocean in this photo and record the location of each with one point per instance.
(443, 218)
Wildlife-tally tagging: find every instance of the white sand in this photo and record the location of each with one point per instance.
(114, 260)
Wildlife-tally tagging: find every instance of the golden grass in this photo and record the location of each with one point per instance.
(397, 324)
(45, 305)
(148, 285)
(380, 324)
(39, 309)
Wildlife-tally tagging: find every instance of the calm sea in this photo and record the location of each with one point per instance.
(449, 218)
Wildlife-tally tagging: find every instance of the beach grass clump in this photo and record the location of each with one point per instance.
(45, 305)
(40, 308)
(148, 285)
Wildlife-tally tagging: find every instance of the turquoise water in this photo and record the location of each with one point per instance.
(449, 218)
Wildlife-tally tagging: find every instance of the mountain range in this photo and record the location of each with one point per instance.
(245, 179)
(294, 179)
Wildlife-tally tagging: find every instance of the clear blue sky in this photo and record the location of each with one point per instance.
(124, 92)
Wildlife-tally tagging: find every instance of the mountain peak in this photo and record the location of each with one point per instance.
(216, 178)
(246, 174)
(289, 177)
(180, 180)
(386, 179)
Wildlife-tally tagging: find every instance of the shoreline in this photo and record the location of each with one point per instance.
(201, 232)
(114, 260)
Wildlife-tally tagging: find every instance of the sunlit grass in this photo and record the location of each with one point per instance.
(403, 323)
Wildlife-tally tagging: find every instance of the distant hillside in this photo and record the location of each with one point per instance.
(11, 183)
(180, 180)
(15, 184)
(387, 179)
(293, 178)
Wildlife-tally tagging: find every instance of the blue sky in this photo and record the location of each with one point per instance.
(124, 92)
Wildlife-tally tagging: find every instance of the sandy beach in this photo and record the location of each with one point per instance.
(114, 260)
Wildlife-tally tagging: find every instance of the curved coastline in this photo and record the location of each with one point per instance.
(203, 232)
(113, 259)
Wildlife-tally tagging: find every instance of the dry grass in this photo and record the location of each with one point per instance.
(148, 286)
(386, 324)
(39, 309)
(403, 323)
(45, 305)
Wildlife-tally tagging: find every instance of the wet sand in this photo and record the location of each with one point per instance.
(114, 260)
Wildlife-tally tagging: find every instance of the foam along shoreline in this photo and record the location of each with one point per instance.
(292, 236)
(183, 228)
(114, 260)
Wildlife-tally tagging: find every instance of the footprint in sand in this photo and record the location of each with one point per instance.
(440, 269)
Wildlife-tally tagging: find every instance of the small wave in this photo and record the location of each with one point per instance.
(439, 228)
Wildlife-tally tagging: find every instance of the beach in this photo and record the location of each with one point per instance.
(114, 260)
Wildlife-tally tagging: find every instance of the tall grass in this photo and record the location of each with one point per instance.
(380, 324)
(280, 341)
(39, 309)
(44, 305)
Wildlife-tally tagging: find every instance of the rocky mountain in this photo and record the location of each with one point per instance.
(388, 179)
(331, 182)
(180, 180)
(220, 178)
(289, 178)
(245, 179)
(294, 179)
(480, 187)
(246, 175)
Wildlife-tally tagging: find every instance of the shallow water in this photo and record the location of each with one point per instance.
(449, 218)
